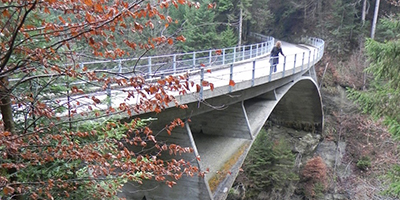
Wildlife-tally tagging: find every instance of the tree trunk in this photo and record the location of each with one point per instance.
(240, 26)
(5, 107)
(364, 12)
(375, 19)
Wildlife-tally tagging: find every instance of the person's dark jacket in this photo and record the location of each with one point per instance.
(274, 55)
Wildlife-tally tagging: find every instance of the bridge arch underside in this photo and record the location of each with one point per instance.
(300, 107)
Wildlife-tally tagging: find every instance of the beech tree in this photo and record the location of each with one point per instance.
(58, 139)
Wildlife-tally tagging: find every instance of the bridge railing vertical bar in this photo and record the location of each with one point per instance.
(256, 49)
(294, 63)
(230, 78)
(284, 66)
(251, 51)
(149, 70)
(302, 61)
(309, 58)
(223, 56)
(253, 73)
(119, 66)
(174, 63)
(243, 49)
(109, 95)
(209, 57)
(234, 54)
(270, 71)
(201, 83)
(314, 56)
(194, 60)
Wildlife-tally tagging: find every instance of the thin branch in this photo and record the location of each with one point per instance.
(13, 38)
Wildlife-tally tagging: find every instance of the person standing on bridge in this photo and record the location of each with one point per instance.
(275, 55)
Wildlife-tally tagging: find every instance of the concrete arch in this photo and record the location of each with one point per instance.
(300, 106)
(297, 104)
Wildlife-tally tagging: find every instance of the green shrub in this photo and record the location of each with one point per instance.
(364, 163)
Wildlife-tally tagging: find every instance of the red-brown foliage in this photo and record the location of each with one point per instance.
(41, 143)
(314, 172)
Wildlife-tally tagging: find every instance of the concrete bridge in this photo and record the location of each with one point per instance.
(225, 122)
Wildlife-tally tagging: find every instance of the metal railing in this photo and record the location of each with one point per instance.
(158, 66)
(249, 62)
(253, 57)
(261, 68)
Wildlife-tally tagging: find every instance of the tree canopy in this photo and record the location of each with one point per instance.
(57, 139)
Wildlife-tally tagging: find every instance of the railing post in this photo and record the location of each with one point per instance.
(284, 66)
(257, 50)
(266, 47)
(294, 66)
(251, 51)
(263, 48)
(209, 57)
(314, 57)
(194, 60)
(243, 52)
(120, 66)
(230, 78)
(270, 70)
(309, 57)
(109, 95)
(201, 83)
(223, 56)
(253, 73)
(234, 54)
(149, 69)
(302, 61)
(174, 64)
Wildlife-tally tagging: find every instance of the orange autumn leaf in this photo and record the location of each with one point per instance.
(8, 190)
(88, 2)
(198, 88)
(181, 38)
(170, 41)
(98, 8)
(232, 83)
(6, 13)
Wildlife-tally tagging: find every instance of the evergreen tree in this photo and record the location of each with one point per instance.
(261, 17)
(382, 97)
(201, 32)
